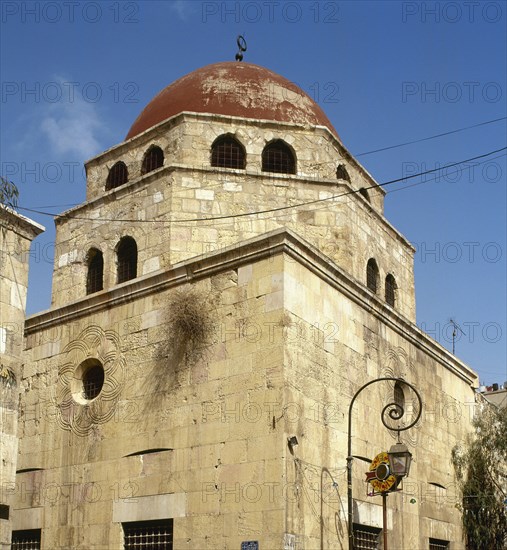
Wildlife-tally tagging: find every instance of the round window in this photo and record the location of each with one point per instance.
(88, 381)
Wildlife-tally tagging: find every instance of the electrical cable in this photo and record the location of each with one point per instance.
(270, 210)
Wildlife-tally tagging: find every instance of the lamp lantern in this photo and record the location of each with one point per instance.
(400, 459)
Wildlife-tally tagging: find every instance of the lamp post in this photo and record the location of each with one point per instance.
(399, 456)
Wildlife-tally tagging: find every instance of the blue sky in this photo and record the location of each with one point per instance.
(75, 75)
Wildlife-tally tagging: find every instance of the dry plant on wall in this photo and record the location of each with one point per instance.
(191, 316)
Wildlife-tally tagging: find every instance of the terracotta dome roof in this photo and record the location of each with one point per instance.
(236, 89)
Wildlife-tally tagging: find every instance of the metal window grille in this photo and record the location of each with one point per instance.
(127, 260)
(228, 153)
(94, 279)
(366, 538)
(278, 158)
(364, 193)
(153, 159)
(390, 290)
(93, 380)
(437, 544)
(29, 539)
(148, 535)
(341, 173)
(399, 395)
(371, 275)
(118, 175)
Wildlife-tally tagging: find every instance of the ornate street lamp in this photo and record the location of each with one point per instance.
(399, 457)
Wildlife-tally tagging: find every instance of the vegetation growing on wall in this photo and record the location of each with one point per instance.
(191, 319)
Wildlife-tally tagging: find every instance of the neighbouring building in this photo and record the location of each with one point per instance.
(228, 285)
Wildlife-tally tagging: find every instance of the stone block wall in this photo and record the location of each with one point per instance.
(158, 209)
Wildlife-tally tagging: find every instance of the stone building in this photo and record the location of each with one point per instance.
(16, 235)
(228, 285)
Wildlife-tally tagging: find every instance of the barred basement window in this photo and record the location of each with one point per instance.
(278, 157)
(341, 173)
(148, 535)
(438, 544)
(94, 277)
(227, 152)
(153, 159)
(390, 290)
(127, 259)
(372, 275)
(118, 175)
(29, 539)
(366, 537)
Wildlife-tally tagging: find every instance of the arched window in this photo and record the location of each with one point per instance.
(227, 152)
(372, 275)
(341, 173)
(399, 395)
(278, 157)
(95, 275)
(153, 159)
(390, 290)
(364, 193)
(127, 259)
(118, 175)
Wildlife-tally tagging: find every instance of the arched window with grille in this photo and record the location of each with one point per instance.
(228, 152)
(153, 159)
(95, 274)
(364, 193)
(372, 275)
(341, 173)
(399, 395)
(126, 254)
(118, 175)
(279, 158)
(391, 290)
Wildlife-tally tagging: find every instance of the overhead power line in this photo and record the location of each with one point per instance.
(430, 137)
(324, 163)
(270, 210)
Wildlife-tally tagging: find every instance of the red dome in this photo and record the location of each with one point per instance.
(235, 89)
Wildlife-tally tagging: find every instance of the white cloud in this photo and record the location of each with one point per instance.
(73, 127)
(182, 8)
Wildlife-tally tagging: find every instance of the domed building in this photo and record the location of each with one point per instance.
(228, 286)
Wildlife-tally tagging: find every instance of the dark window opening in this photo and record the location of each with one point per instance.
(366, 537)
(227, 152)
(118, 175)
(93, 380)
(390, 290)
(127, 259)
(149, 451)
(277, 157)
(28, 539)
(364, 193)
(372, 275)
(94, 278)
(153, 159)
(341, 173)
(148, 535)
(399, 395)
(438, 544)
(4, 511)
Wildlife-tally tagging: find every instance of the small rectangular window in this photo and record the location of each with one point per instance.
(28, 539)
(366, 537)
(438, 544)
(148, 535)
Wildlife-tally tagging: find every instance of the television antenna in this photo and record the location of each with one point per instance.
(455, 328)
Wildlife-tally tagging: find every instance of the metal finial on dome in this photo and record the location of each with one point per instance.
(241, 42)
